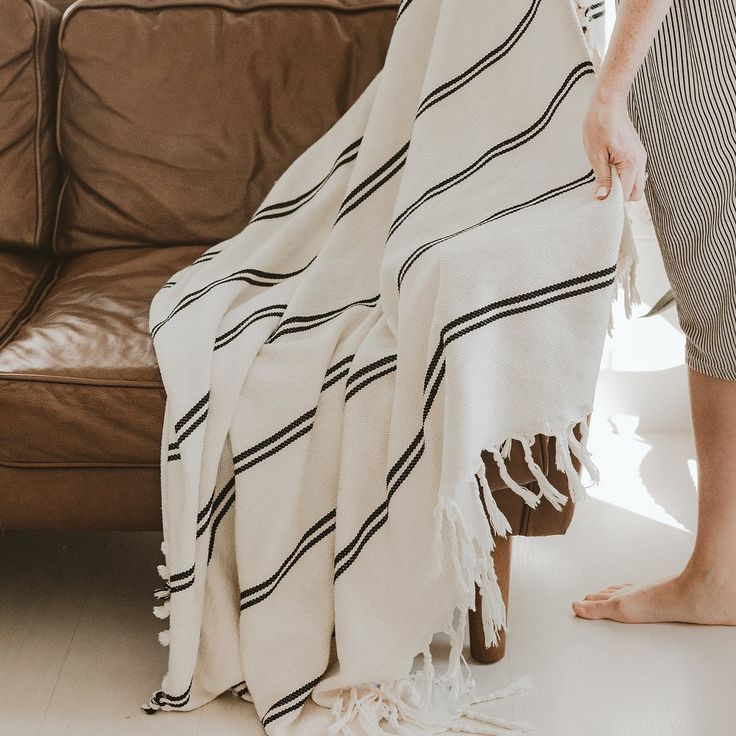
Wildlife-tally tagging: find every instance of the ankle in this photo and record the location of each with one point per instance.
(711, 573)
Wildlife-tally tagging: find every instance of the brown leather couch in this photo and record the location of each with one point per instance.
(134, 134)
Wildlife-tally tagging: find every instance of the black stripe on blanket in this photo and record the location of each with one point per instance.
(593, 12)
(196, 421)
(396, 162)
(218, 505)
(174, 701)
(373, 183)
(252, 276)
(216, 523)
(205, 515)
(202, 259)
(588, 178)
(458, 82)
(181, 581)
(281, 209)
(202, 402)
(500, 304)
(206, 257)
(240, 689)
(289, 703)
(322, 528)
(386, 360)
(301, 430)
(318, 531)
(305, 323)
(345, 558)
(337, 371)
(277, 441)
(182, 586)
(174, 446)
(454, 330)
(273, 310)
(403, 7)
(576, 74)
(415, 449)
(368, 374)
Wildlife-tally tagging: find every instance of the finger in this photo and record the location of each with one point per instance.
(627, 175)
(602, 171)
(639, 185)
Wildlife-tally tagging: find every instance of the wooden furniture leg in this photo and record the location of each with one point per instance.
(478, 649)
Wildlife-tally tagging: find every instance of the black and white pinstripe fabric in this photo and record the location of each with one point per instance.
(683, 104)
(430, 279)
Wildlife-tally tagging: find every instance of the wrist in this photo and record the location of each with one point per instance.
(611, 90)
(610, 96)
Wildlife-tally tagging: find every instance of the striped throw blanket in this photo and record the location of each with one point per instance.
(430, 279)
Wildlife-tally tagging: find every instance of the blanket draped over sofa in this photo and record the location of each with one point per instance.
(431, 278)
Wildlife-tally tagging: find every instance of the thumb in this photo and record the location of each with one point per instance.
(602, 170)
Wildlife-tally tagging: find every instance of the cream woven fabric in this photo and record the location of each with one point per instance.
(431, 278)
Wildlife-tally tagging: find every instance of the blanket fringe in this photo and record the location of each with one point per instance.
(567, 447)
(399, 709)
(425, 702)
(626, 270)
(163, 611)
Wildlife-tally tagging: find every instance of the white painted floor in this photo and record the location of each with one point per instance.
(78, 649)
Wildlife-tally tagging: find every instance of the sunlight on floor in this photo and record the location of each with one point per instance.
(613, 439)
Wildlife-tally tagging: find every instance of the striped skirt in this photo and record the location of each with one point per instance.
(683, 103)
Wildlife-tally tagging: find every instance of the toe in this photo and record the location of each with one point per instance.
(604, 595)
(593, 609)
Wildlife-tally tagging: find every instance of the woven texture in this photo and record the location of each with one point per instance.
(430, 279)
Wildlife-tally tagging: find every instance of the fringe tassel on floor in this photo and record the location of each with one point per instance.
(425, 702)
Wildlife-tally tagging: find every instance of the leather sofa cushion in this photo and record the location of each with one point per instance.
(22, 278)
(97, 498)
(177, 116)
(29, 163)
(79, 383)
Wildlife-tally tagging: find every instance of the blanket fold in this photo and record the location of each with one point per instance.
(432, 278)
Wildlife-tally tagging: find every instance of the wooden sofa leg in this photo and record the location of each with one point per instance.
(478, 649)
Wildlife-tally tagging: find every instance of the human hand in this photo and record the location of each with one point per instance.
(610, 139)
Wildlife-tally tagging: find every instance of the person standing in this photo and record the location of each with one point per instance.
(664, 114)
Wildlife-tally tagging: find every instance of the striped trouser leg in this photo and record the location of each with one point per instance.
(683, 103)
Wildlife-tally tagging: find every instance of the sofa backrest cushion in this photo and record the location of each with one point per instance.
(177, 116)
(61, 5)
(29, 164)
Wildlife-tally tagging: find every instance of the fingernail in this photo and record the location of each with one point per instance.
(601, 192)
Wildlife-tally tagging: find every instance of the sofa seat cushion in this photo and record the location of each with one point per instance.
(22, 278)
(79, 382)
(30, 170)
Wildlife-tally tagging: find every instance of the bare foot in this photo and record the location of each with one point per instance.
(687, 598)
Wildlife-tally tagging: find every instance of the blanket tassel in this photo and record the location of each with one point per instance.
(626, 269)
(398, 710)
(163, 611)
(424, 702)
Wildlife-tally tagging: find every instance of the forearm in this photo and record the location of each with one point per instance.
(637, 23)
